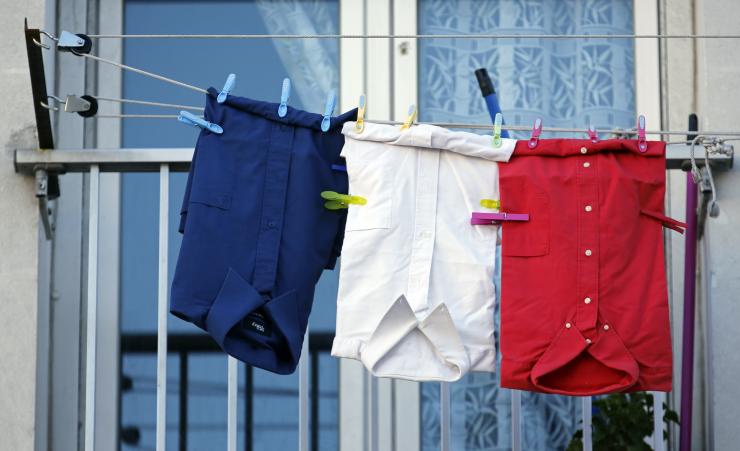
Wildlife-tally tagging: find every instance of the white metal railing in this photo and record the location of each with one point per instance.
(164, 161)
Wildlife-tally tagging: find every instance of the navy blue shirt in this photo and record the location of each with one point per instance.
(256, 235)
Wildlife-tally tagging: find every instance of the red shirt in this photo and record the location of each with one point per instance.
(584, 305)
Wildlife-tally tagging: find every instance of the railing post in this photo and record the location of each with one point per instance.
(161, 426)
(658, 424)
(92, 307)
(587, 433)
(516, 420)
(303, 430)
(444, 416)
(372, 412)
(231, 392)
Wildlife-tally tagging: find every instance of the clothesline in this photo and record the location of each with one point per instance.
(446, 125)
(615, 131)
(414, 36)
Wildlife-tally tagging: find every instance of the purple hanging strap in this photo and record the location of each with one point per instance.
(689, 292)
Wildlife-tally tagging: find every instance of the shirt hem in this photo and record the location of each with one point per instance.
(516, 375)
(484, 359)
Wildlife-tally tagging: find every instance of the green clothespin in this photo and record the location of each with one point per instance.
(338, 201)
(497, 130)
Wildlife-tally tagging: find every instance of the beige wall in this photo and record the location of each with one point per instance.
(704, 77)
(18, 234)
(718, 103)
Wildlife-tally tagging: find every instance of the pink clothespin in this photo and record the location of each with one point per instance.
(536, 130)
(641, 139)
(494, 218)
(592, 135)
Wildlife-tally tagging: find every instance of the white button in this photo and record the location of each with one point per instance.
(588, 340)
(606, 327)
(583, 150)
(587, 300)
(567, 325)
(588, 208)
(588, 252)
(586, 164)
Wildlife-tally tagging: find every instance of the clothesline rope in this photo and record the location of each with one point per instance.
(149, 103)
(615, 131)
(142, 72)
(414, 36)
(439, 124)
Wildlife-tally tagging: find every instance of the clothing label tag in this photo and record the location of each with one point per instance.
(256, 323)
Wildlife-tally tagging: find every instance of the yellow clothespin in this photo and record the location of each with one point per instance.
(497, 131)
(490, 203)
(360, 124)
(338, 201)
(410, 117)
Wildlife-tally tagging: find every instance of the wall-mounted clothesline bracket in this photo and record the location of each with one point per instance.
(47, 182)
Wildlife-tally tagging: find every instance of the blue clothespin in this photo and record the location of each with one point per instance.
(228, 87)
(191, 119)
(331, 102)
(283, 108)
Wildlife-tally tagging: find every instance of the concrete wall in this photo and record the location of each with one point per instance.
(704, 77)
(718, 103)
(18, 234)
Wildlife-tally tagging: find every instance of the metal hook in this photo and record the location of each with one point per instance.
(694, 168)
(48, 35)
(713, 206)
(49, 107)
(697, 175)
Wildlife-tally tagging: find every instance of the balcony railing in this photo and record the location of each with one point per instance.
(164, 161)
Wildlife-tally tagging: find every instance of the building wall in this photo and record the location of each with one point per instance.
(718, 101)
(702, 77)
(19, 239)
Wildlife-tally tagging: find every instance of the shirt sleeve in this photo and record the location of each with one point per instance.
(186, 197)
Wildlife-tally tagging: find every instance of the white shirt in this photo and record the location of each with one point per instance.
(416, 291)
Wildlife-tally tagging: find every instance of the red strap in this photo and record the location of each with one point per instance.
(671, 223)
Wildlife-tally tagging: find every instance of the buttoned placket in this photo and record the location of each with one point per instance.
(277, 170)
(425, 215)
(587, 272)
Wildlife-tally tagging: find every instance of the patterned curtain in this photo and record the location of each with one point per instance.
(568, 83)
(312, 64)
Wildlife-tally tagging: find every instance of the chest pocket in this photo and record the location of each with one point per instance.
(374, 182)
(527, 238)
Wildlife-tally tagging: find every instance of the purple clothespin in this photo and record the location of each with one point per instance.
(641, 139)
(592, 135)
(536, 130)
(494, 218)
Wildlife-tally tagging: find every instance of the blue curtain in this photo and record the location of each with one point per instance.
(568, 83)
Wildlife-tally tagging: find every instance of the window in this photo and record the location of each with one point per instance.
(268, 404)
(568, 83)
